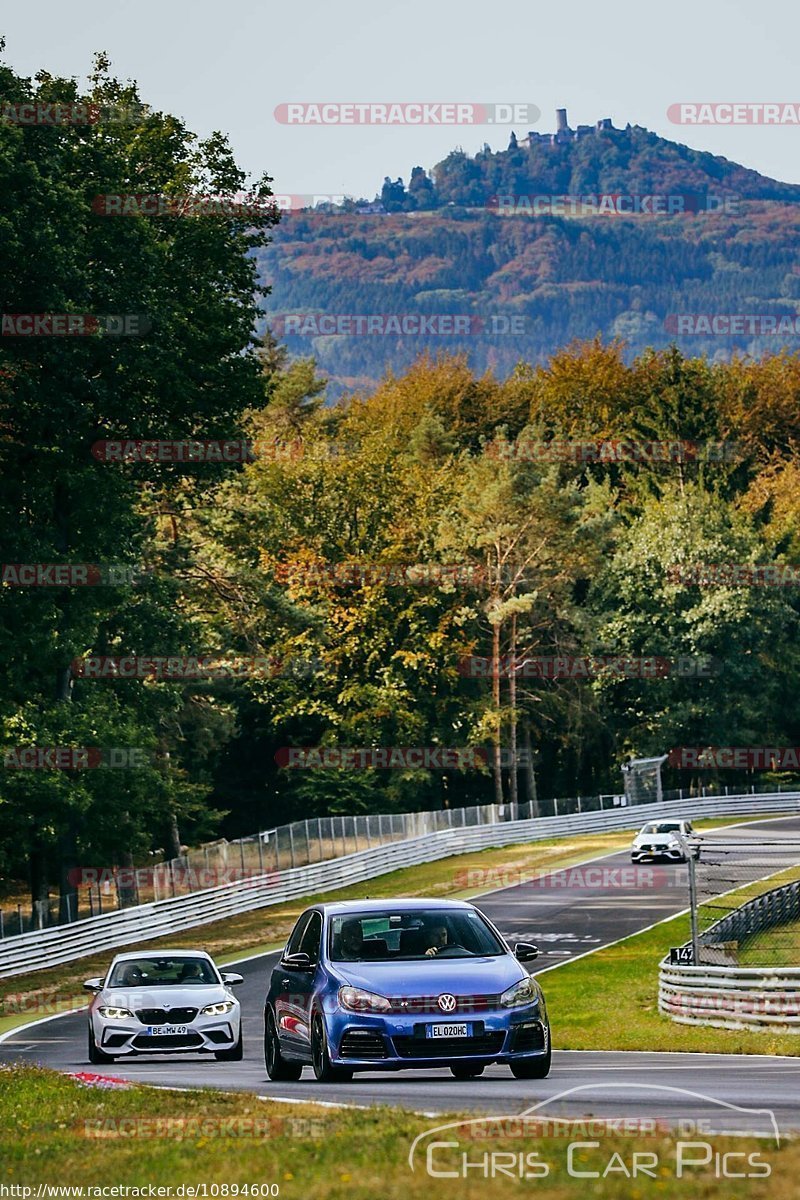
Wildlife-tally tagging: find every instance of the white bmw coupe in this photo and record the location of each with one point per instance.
(166, 1002)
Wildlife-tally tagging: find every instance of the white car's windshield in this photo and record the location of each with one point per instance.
(421, 934)
(661, 827)
(163, 972)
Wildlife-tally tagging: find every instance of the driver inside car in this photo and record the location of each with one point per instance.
(437, 937)
(352, 941)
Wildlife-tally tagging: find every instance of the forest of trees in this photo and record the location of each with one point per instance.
(300, 557)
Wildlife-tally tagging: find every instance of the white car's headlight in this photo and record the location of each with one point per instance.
(217, 1010)
(357, 1000)
(524, 992)
(114, 1014)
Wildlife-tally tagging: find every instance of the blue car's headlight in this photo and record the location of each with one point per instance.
(524, 992)
(357, 1000)
(114, 1014)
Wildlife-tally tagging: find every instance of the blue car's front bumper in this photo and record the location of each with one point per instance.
(394, 1041)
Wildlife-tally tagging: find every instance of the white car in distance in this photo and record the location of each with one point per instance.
(164, 1002)
(663, 839)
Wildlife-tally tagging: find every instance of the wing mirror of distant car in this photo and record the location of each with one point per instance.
(93, 985)
(297, 962)
(525, 951)
(232, 978)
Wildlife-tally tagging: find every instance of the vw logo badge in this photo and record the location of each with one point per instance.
(447, 1003)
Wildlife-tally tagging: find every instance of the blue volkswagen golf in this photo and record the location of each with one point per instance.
(383, 985)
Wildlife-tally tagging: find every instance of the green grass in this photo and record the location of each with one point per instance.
(169, 1138)
(779, 947)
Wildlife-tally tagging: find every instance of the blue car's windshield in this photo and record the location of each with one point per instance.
(423, 933)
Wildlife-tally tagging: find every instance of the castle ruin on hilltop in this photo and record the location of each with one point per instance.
(563, 132)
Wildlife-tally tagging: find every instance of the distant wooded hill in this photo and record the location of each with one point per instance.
(713, 237)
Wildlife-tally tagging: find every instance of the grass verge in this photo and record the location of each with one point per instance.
(55, 1132)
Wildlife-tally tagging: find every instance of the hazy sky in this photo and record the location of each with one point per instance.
(227, 65)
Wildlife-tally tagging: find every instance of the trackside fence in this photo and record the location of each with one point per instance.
(65, 943)
(99, 891)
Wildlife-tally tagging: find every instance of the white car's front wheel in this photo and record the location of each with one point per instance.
(95, 1055)
(235, 1054)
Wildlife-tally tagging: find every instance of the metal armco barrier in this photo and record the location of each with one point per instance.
(65, 943)
(731, 997)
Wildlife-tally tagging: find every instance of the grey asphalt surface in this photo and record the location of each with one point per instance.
(567, 913)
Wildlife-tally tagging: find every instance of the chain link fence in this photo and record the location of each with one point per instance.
(100, 889)
(742, 921)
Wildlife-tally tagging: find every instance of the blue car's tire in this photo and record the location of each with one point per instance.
(278, 1068)
(324, 1070)
(532, 1068)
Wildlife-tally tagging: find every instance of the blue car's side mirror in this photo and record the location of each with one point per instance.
(525, 951)
(297, 962)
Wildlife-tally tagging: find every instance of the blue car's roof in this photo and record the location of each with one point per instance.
(390, 905)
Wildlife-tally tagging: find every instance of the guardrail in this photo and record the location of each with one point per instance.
(738, 997)
(51, 947)
(315, 839)
(731, 997)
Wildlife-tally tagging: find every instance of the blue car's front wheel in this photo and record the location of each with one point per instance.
(278, 1068)
(324, 1069)
(532, 1068)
